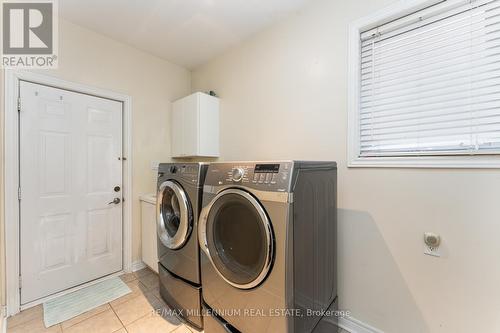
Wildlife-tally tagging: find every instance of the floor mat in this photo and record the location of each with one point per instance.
(73, 304)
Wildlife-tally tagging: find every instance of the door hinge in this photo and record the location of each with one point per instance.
(19, 104)
(20, 282)
(19, 193)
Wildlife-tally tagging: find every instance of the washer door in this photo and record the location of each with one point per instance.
(174, 218)
(237, 236)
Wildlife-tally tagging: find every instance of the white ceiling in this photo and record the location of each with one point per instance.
(186, 32)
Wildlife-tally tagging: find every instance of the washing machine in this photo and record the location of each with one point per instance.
(267, 232)
(178, 206)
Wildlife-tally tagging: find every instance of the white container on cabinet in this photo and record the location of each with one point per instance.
(148, 229)
(195, 126)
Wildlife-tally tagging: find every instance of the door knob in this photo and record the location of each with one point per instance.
(115, 201)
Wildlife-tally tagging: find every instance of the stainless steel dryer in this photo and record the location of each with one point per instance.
(267, 232)
(178, 206)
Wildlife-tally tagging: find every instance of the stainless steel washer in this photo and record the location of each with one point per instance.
(267, 232)
(178, 206)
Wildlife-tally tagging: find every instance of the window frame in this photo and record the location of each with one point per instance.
(403, 7)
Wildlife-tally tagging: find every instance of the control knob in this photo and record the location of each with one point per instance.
(238, 174)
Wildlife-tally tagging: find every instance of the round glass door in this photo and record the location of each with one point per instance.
(238, 238)
(174, 216)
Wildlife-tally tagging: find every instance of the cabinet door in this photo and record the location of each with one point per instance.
(208, 126)
(190, 125)
(177, 128)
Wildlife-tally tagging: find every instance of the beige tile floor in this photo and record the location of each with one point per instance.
(136, 312)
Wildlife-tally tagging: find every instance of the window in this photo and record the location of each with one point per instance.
(425, 84)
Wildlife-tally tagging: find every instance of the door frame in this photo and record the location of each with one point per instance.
(11, 177)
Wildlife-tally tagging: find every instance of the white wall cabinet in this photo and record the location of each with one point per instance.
(195, 126)
(148, 229)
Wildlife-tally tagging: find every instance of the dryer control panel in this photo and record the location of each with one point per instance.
(264, 176)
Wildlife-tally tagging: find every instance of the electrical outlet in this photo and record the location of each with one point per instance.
(155, 165)
(432, 251)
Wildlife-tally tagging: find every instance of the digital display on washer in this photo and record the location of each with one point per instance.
(264, 168)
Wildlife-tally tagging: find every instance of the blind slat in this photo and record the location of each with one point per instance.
(440, 88)
(454, 43)
(438, 107)
(460, 97)
(480, 109)
(430, 122)
(424, 62)
(425, 83)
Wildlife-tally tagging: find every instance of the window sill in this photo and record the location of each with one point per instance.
(451, 162)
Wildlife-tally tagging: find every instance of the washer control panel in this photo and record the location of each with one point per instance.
(265, 176)
(189, 172)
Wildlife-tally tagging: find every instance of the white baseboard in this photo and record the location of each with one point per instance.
(354, 325)
(137, 265)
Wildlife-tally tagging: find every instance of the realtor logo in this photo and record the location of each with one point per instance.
(29, 34)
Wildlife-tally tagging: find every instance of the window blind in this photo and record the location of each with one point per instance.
(430, 82)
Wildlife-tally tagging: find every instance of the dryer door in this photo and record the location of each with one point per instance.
(174, 220)
(237, 236)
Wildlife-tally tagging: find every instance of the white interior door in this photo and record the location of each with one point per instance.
(70, 145)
